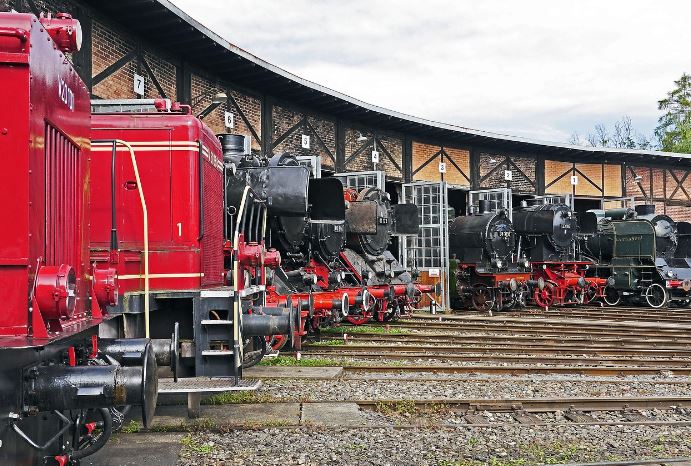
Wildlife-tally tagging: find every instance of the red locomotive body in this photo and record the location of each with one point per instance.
(45, 139)
(180, 167)
(167, 238)
(52, 301)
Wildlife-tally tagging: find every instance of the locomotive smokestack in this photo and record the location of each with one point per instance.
(645, 209)
(233, 146)
(483, 206)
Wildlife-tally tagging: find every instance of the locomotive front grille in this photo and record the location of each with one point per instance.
(63, 192)
(212, 242)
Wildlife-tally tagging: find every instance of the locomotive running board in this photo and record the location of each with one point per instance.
(205, 385)
(195, 387)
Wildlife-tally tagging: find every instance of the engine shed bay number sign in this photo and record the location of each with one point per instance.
(138, 84)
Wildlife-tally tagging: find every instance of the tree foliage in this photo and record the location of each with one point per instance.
(674, 128)
(621, 136)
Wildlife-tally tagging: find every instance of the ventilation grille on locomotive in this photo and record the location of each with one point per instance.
(62, 194)
(212, 242)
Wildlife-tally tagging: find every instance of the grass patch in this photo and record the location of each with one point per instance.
(493, 461)
(403, 407)
(239, 397)
(192, 445)
(289, 361)
(334, 342)
(550, 453)
(340, 329)
(132, 428)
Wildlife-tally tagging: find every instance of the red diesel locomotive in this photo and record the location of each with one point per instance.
(58, 387)
(180, 262)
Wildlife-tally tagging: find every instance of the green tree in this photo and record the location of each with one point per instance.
(674, 128)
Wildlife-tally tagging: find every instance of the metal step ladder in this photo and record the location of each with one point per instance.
(216, 331)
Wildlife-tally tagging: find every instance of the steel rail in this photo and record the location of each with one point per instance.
(327, 351)
(617, 371)
(483, 339)
(595, 349)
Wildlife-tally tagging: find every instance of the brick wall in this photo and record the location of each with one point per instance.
(251, 108)
(289, 127)
(426, 158)
(358, 154)
(670, 190)
(594, 179)
(203, 91)
(492, 167)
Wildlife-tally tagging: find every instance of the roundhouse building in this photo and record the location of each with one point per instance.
(151, 49)
(179, 58)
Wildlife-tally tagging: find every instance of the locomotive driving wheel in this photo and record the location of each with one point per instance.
(545, 297)
(656, 296)
(588, 295)
(611, 296)
(483, 298)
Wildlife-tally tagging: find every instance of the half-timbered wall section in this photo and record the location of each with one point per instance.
(247, 116)
(492, 170)
(591, 179)
(667, 188)
(289, 127)
(427, 157)
(359, 145)
(203, 92)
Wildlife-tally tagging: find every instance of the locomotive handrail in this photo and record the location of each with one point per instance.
(24, 436)
(19, 33)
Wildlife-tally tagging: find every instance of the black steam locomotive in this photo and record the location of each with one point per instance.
(547, 233)
(490, 273)
(638, 251)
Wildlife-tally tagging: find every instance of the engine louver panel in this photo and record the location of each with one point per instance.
(62, 199)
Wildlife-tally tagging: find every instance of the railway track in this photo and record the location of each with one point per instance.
(628, 341)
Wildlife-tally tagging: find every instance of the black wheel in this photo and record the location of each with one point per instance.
(611, 296)
(656, 296)
(483, 298)
(255, 350)
(92, 430)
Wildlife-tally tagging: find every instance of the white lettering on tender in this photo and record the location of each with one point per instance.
(66, 94)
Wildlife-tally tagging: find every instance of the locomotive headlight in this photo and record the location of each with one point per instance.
(544, 266)
(499, 263)
(526, 264)
(670, 274)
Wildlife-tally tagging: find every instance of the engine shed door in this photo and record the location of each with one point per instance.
(620, 202)
(428, 252)
(566, 199)
(499, 199)
(362, 180)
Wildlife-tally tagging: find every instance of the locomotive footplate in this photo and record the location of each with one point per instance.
(195, 387)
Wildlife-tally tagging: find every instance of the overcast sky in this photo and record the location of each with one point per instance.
(535, 68)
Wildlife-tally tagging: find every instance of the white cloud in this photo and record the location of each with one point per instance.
(535, 68)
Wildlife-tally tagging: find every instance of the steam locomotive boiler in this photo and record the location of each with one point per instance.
(547, 233)
(625, 246)
(306, 217)
(490, 274)
(371, 223)
(60, 384)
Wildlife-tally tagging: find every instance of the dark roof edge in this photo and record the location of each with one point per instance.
(391, 113)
